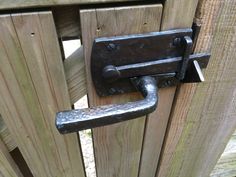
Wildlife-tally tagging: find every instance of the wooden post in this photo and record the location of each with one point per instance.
(203, 116)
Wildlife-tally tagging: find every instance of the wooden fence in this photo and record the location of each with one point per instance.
(184, 137)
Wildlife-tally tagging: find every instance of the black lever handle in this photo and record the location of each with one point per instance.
(80, 119)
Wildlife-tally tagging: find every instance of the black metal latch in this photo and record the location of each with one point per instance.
(141, 62)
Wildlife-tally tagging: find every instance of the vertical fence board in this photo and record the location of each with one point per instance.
(176, 14)
(203, 118)
(33, 88)
(117, 147)
(155, 132)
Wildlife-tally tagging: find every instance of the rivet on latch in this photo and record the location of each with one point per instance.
(111, 47)
(177, 41)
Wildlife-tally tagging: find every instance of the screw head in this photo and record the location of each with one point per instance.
(111, 47)
(177, 41)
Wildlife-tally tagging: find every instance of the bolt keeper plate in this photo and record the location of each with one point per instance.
(157, 54)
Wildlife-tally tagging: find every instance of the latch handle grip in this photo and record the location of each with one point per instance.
(81, 119)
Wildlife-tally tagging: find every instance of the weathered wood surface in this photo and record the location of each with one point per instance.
(8, 167)
(175, 16)
(16, 4)
(32, 90)
(76, 81)
(154, 133)
(117, 147)
(6, 137)
(75, 75)
(178, 14)
(226, 165)
(203, 117)
(66, 20)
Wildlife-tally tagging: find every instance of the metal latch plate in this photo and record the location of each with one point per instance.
(139, 48)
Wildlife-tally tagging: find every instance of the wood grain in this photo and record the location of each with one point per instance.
(203, 118)
(66, 20)
(178, 14)
(155, 131)
(76, 81)
(6, 136)
(226, 165)
(33, 89)
(174, 16)
(8, 167)
(16, 4)
(75, 75)
(117, 147)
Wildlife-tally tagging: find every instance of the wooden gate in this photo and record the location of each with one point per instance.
(182, 138)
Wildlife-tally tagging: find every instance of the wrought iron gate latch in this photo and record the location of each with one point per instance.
(139, 62)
